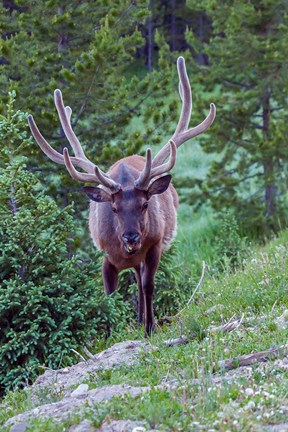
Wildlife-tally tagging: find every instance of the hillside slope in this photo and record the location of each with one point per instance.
(216, 381)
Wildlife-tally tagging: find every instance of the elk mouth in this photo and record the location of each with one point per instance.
(132, 248)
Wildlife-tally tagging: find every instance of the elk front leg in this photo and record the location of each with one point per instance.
(140, 294)
(150, 267)
(110, 276)
(110, 282)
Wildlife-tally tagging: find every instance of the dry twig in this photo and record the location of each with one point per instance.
(196, 289)
(182, 340)
(250, 359)
(229, 326)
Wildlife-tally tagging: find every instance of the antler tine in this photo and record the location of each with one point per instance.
(106, 181)
(84, 177)
(68, 111)
(93, 173)
(182, 133)
(202, 127)
(98, 175)
(50, 152)
(144, 177)
(161, 169)
(186, 97)
(43, 144)
(148, 172)
(64, 116)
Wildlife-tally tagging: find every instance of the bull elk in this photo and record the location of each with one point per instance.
(133, 208)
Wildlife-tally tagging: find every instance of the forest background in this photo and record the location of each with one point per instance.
(115, 62)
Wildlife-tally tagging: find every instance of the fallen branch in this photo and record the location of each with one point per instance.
(182, 340)
(80, 355)
(88, 353)
(250, 359)
(228, 327)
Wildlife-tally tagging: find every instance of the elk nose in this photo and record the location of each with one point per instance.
(131, 237)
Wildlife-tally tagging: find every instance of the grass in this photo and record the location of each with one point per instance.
(202, 399)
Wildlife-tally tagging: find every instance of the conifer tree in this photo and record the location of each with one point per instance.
(88, 50)
(248, 68)
(51, 300)
(82, 48)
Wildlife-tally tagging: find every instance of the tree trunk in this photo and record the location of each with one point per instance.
(150, 38)
(173, 26)
(268, 165)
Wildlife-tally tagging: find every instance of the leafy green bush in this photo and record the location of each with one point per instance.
(231, 248)
(50, 301)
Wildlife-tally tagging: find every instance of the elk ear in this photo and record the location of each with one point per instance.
(159, 186)
(97, 194)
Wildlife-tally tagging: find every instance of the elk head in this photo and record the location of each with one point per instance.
(130, 204)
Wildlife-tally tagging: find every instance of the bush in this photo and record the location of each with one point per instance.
(231, 248)
(50, 300)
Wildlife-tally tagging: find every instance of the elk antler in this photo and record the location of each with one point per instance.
(148, 172)
(93, 172)
(182, 133)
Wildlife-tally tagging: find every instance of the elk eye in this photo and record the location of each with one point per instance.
(114, 210)
(145, 206)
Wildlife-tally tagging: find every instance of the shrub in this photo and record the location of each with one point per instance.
(231, 248)
(50, 300)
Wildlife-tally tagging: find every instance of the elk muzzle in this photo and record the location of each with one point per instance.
(131, 242)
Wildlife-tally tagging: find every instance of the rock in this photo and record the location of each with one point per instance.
(113, 426)
(122, 426)
(81, 389)
(120, 353)
(19, 427)
(67, 406)
(277, 428)
(282, 321)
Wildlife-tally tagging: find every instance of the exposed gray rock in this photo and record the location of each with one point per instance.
(277, 428)
(20, 427)
(81, 389)
(62, 409)
(115, 356)
(123, 426)
(282, 321)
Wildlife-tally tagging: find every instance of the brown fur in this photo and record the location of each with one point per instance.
(132, 225)
(156, 226)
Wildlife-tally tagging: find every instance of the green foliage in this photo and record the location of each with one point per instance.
(50, 300)
(89, 52)
(170, 284)
(201, 394)
(247, 74)
(230, 248)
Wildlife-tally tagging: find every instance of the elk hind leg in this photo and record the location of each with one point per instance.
(150, 267)
(138, 270)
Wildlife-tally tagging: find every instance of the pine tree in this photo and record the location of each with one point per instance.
(89, 53)
(248, 70)
(83, 49)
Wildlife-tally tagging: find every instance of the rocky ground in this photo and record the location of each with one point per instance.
(73, 393)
